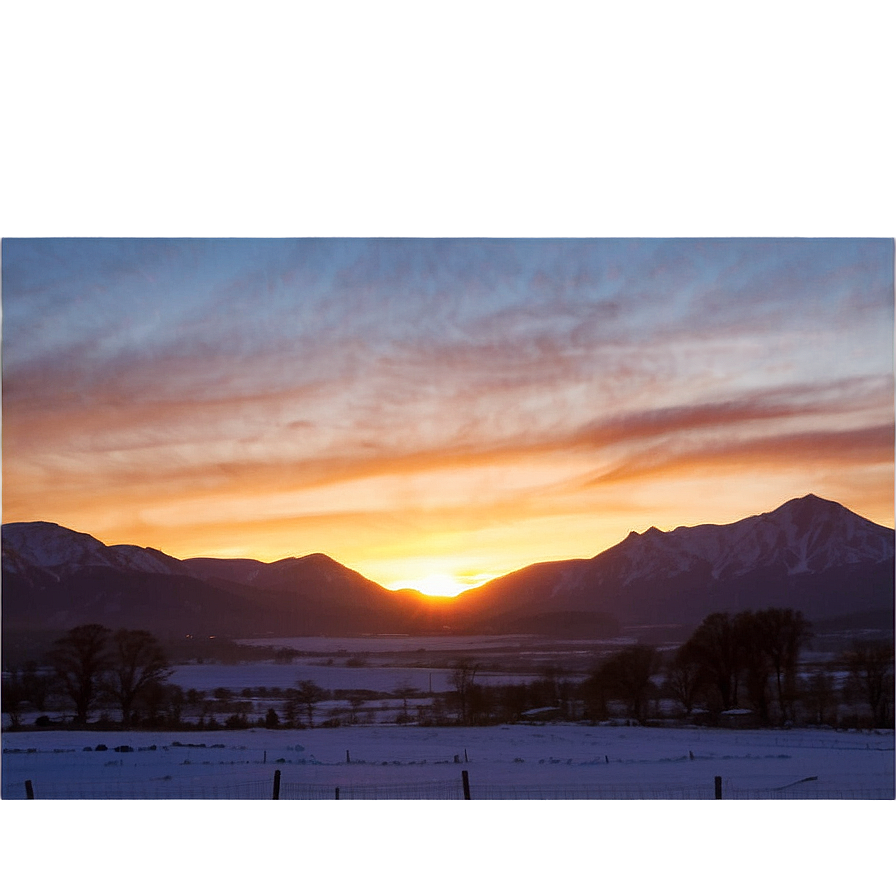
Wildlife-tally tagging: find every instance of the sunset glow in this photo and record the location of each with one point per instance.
(434, 413)
(436, 584)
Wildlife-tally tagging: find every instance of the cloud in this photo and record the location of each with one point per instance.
(516, 375)
(843, 449)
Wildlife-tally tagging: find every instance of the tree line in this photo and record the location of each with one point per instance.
(745, 661)
(749, 660)
(92, 663)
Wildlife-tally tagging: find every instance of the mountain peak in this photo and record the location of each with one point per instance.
(49, 544)
(811, 501)
(647, 533)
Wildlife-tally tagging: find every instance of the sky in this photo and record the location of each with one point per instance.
(437, 412)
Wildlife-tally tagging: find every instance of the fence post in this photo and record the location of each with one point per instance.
(276, 795)
(337, 793)
(29, 790)
(466, 779)
(718, 787)
(348, 757)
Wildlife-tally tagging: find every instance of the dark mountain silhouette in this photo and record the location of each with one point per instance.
(809, 554)
(54, 579)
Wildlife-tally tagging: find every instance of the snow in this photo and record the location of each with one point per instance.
(49, 545)
(206, 676)
(836, 536)
(553, 761)
(129, 556)
(391, 643)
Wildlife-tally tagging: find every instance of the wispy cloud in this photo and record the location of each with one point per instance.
(513, 376)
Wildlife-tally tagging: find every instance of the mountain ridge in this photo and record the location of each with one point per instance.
(807, 545)
(809, 553)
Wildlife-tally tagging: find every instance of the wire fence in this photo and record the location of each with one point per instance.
(142, 790)
(421, 790)
(452, 789)
(866, 793)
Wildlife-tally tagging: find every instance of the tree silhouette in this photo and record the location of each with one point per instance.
(137, 662)
(79, 658)
(754, 647)
(716, 646)
(404, 692)
(462, 678)
(750, 630)
(36, 685)
(870, 666)
(308, 694)
(13, 696)
(684, 678)
(820, 695)
(782, 633)
(627, 676)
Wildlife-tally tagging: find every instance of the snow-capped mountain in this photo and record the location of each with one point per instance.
(805, 535)
(59, 551)
(55, 578)
(810, 554)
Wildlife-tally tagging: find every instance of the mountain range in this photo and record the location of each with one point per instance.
(810, 554)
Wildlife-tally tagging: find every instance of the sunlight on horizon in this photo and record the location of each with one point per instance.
(439, 584)
(436, 413)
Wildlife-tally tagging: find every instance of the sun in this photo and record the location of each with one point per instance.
(436, 584)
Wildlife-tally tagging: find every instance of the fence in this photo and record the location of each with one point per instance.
(868, 793)
(421, 790)
(144, 790)
(458, 788)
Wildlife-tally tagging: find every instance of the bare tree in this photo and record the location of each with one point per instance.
(356, 701)
(870, 666)
(627, 675)
(750, 631)
(79, 659)
(175, 700)
(308, 694)
(291, 708)
(137, 662)
(716, 645)
(13, 696)
(819, 696)
(684, 679)
(404, 692)
(462, 679)
(782, 633)
(595, 692)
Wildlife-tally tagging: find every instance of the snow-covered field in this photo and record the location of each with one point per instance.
(388, 761)
(552, 761)
(332, 677)
(385, 663)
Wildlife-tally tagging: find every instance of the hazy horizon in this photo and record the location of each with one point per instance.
(428, 588)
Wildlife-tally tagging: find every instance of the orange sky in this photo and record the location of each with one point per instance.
(454, 408)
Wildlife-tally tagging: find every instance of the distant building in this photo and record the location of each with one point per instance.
(542, 714)
(737, 718)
